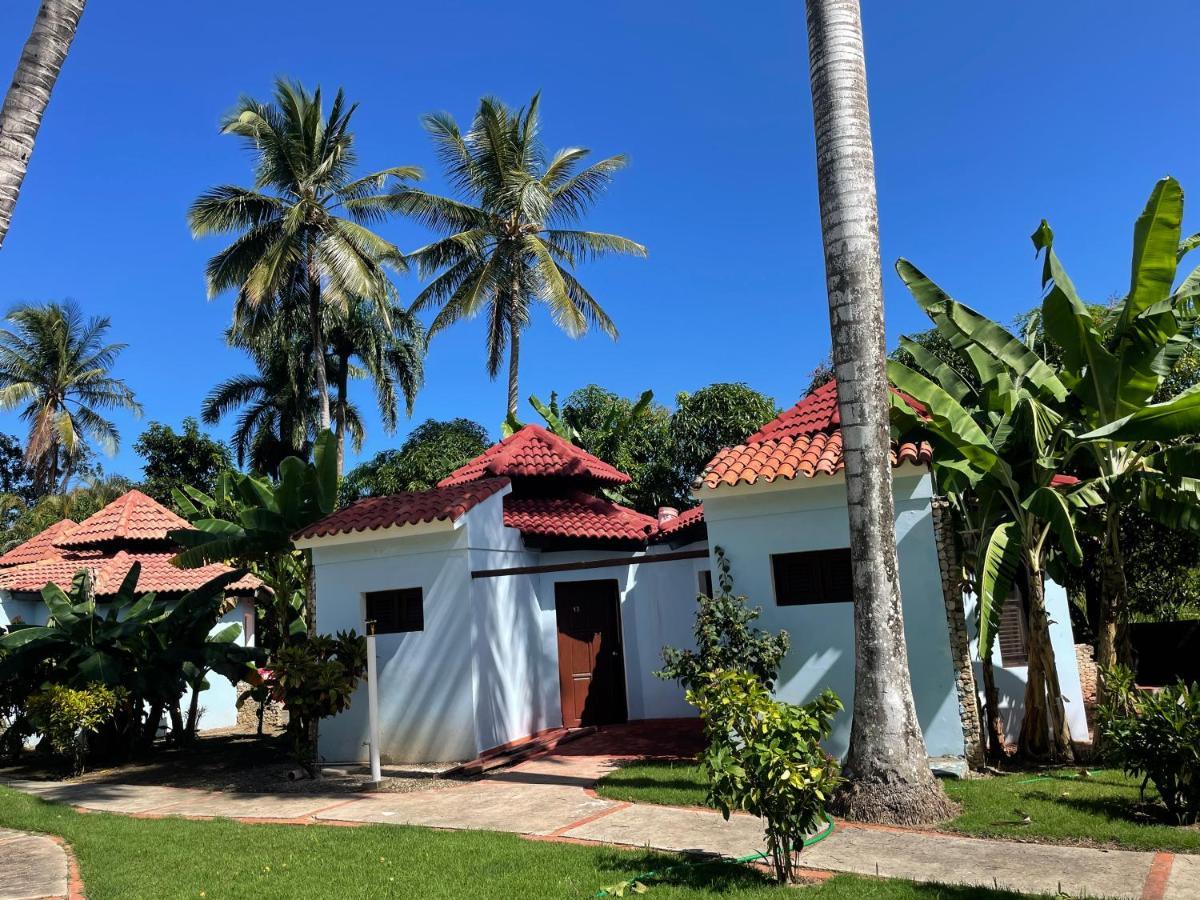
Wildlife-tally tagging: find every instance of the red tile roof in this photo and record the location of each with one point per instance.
(39, 547)
(576, 515)
(533, 452)
(411, 508)
(157, 574)
(804, 440)
(682, 522)
(131, 517)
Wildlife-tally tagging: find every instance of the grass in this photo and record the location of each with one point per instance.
(123, 857)
(1103, 810)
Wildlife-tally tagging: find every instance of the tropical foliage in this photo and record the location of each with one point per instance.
(720, 415)
(67, 717)
(431, 451)
(1155, 735)
(302, 229)
(151, 647)
(55, 368)
(173, 459)
(510, 238)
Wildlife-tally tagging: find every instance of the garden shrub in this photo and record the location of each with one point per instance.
(1155, 735)
(726, 639)
(313, 677)
(67, 716)
(764, 757)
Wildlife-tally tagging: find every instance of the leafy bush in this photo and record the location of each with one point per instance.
(726, 639)
(1155, 735)
(313, 678)
(67, 716)
(764, 757)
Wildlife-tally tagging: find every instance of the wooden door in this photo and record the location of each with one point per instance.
(591, 663)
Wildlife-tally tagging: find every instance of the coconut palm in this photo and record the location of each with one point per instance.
(54, 367)
(29, 93)
(277, 406)
(386, 347)
(887, 764)
(507, 240)
(304, 221)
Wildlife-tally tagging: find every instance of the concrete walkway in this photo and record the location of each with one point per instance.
(32, 867)
(550, 798)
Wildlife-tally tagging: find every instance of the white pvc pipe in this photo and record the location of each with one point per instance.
(373, 704)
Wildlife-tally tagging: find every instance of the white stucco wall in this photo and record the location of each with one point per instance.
(426, 707)
(751, 523)
(218, 704)
(1011, 681)
(28, 608)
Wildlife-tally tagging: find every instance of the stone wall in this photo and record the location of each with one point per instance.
(1086, 661)
(960, 638)
(275, 717)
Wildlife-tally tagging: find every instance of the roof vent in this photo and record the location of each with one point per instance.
(666, 514)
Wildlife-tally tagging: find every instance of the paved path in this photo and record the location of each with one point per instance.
(32, 867)
(551, 798)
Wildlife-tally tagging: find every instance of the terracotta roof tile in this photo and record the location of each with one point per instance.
(533, 452)
(157, 574)
(39, 547)
(682, 522)
(411, 508)
(131, 517)
(576, 515)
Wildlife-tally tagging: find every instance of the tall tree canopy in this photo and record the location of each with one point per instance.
(55, 367)
(431, 451)
(716, 416)
(303, 226)
(510, 238)
(174, 459)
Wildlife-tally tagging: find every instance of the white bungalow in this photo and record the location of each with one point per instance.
(514, 600)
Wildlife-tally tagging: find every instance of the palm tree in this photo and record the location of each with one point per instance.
(505, 244)
(29, 94)
(389, 349)
(54, 367)
(278, 408)
(887, 763)
(304, 222)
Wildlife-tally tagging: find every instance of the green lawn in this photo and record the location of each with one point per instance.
(122, 857)
(1103, 809)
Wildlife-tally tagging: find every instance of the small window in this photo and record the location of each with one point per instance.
(1012, 637)
(705, 582)
(818, 576)
(396, 611)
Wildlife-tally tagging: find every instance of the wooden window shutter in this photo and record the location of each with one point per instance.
(1012, 637)
(396, 611)
(817, 576)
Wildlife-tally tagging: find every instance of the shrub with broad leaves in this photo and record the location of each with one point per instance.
(764, 757)
(1155, 735)
(68, 716)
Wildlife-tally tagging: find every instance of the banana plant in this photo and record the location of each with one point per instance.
(1124, 446)
(996, 451)
(249, 522)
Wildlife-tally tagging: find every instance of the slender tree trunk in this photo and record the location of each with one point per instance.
(25, 103)
(317, 334)
(1113, 589)
(887, 765)
(343, 387)
(176, 724)
(514, 362)
(1044, 731)
(193, 716)
(993, 723)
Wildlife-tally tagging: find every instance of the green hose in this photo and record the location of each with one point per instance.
(753, 857)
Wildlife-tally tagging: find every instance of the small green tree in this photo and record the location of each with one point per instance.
(719, 415)
(431, 451)
(68, 716)
(764, 757)
(174, 459)
(726, 639)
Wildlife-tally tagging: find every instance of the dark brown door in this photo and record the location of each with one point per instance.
(591, 664)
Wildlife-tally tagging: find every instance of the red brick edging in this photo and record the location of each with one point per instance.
(1156, 880)
(74, 880)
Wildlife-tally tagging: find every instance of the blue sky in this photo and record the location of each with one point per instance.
(987, 117)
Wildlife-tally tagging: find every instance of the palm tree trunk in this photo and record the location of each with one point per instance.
(317, 335)
(29, 94)
(343, 387)
(994, 734)
(1045, 734)
(514, 362)
(887, 765)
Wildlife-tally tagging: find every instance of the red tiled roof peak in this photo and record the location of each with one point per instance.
(576, 515)
(533, 452)
(131, 517)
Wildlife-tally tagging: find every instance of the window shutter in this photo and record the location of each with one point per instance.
(396, 611)
(818, 576)
(1012, 638)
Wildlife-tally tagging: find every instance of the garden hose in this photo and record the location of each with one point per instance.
(753, 857)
